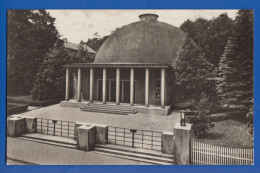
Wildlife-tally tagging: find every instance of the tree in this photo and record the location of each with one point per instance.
(31, 33)
(49, 82)
(192, 70)
(235, 88)
(201, 121)
(210, 35)
(197, 30)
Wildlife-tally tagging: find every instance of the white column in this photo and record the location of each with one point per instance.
(79, 86)
(147, 87)
(104, 85)
(109, 91)
(132, 87)
(91, 82)
(163, 87)
(117, 86)
(67, 94)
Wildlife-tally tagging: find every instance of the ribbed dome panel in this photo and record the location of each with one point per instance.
(142, 42)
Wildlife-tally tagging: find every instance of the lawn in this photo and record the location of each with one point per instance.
(229, 133)
(27, 99)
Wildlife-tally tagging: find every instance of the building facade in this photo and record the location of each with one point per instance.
(132, 67)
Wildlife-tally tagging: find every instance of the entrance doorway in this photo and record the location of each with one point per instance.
(111, 90)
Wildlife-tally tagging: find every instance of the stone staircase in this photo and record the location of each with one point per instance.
(137, 154)
(109, 108)
(50, 140)
(124, 152)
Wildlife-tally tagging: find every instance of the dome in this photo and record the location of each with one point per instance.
(145, 41)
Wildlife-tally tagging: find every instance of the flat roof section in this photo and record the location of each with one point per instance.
(120, 65)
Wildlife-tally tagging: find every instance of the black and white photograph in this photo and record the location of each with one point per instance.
(130, 87)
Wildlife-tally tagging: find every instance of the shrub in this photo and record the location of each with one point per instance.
(250, 120)
(201, 121)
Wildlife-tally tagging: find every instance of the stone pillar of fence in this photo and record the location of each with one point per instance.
(18, 125)
(101, 132)
(167, 142)
(182, 144)
(86, 137)
(15, 126)
(30, 124)
(77, 125)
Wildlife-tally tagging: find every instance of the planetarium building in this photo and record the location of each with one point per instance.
(131, 68)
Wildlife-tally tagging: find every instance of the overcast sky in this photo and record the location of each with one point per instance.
(77, 25)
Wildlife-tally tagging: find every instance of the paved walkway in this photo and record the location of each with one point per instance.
(138, 121)
(27, 152)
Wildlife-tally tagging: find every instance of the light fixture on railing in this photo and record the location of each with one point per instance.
(182, 118)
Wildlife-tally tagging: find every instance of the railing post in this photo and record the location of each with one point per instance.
(115, 135)
(124, 136)
(41, 125)
(54, 129)
(54, 124)
(133, 139)
(61, 128)
(152, 140)
(68, 129)
(142, 139)
(47, 127)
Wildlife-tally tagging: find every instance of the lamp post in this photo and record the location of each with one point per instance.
(182, 118)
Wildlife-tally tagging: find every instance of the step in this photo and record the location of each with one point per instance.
(55, 143)
(109, 107)
(103, 111)
(109, 110)
(135, 159)
(51, 138)
(136, 150)
(135, 155)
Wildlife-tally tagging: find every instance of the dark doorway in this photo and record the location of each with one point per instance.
(111, 91)
(126, 92)
(100, 90)
(100, 86)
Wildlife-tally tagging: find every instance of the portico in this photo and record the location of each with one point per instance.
(123, 84)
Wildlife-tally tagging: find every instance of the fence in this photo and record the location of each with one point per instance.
(135, 138)
(55, 127)
(206, 154)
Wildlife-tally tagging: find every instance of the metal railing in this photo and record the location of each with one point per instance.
(55, 127)
(135, 138)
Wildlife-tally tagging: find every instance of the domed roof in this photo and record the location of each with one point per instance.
(146, 41)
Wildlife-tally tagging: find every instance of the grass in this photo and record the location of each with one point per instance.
(229, 133)
(14, 108)
(25, 97)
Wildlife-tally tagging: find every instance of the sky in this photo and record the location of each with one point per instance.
(77, 25)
